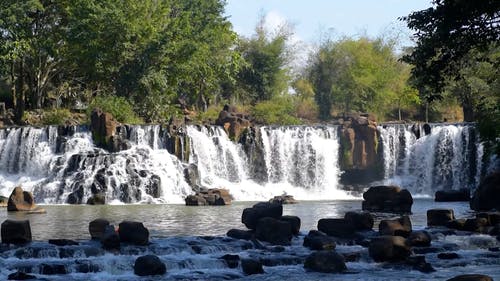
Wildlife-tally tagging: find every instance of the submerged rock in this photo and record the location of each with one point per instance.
(389, 248)
(471, 277)
(232, 261)
(419, 239)
(240, 234)
(325, 261)
(390, 199)
(149, 265)
(16, 232)
(461, 195)
(487, 193)
(251, 266)
(317, 240)
(18, 275)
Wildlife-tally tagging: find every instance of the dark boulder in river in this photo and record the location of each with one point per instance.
(399, 227)
(487, 194)
(18, 275)
(209, 197)
(317, 240)
(419, 239)
(110, 240)
(274, 231)
(240, 234)
(251, 216)
(389, 248)
(336, 227)
(325, 261)
(20, 200)
(149, 265)
(471, 277)
(283, 199)
(16, 232)
(251, 266)
(391, 199)
(360, 220)
(97, 227)
(461, 195)
(439, 217)
(133, 232)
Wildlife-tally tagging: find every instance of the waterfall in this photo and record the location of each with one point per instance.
(448, 158)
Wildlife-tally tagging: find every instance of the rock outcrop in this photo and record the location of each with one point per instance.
(436, 217)
(149, 265)
(274, 231)
(104, 131)
(251, 216)
(487, 194)
(397, 227)
(283, 199)
(336, 227)
(325, 261)
(389, 248)
(133, 232)
(97, 228)
(390, 199)
(209, 197)
(234, 123)
(16, 232)
(462, 195)
(22, 201)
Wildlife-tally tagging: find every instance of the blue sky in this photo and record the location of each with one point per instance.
(313, 17)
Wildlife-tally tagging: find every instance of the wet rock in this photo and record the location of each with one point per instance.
(317, 240)
(439, 217)
(274, 231)
(18, 275)
(20, 200)
(232, 261)
(294, 222)
(133, 232)
(192, 176)
(110, 240)
(251, 266)
(3, 201)
(97, 199)
(492, 217)
(389, 248)
(448, 256)
(103, 127)
(325, 261)
(427, 129)
(16, 232)
(63, 242)
(419, 239)
(487, 193)
(336, 227)
(476, 225)
(458, 224)
(97, 227)
(149, 265)
(360, 220)
(390, 199)
(53, 269)
(351, 257)
(283, 199)
(461, 195)
(251, 216)
(234, 124)
(195, 200)
(211, 197)
(419, 263)
(240, 234)
(398, 227)
(471, 277)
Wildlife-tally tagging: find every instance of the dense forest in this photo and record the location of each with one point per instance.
(148, 60)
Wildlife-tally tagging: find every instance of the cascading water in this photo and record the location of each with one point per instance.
(448, 158)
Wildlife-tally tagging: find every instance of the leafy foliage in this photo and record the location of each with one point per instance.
(277, 111)
(119, 107)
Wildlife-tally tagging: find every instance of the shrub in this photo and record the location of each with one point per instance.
(119, 107)
(277, 111)
(55, 116)
(307, 109)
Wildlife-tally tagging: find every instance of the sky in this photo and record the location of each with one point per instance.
(312, 18)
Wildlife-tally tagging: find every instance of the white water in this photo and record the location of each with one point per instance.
(448, 158)
(301, 161)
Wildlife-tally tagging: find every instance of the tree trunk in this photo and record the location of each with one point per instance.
(427, 112)
(13, 81)
(20, 97)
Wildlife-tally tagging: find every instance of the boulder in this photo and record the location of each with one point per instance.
(487, 194)
(471, 277)
(389, 248)
(195, 200)
(235, 124)
(492, 217)
(149, 265)
(110, 240)
(398, 227)
(3, 201)
(461, 195)
(283, 199)
(251, 216)
(211, 197)
(274, 231)
(419, 239)
(458, 224)
(359, 220)
(336, 227)
(97, 227)
(97, 199)
(476, 225)
(251, 266)
(448, 256)
(20, 200)
(192, 176)
(390, 199)
(53, 269)
(294, 222)
(63, 242)
(325, 261)
(18, 275)
(240, 234)
(133, 232)
(103, 127)
(439, 217)
(16, 232)
(317, 240)
(419, 263)
(232, 261)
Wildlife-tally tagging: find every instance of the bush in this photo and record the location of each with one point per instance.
(119, 107)
(307, 109)
(55, 116)
(211, 114)
(277, 111)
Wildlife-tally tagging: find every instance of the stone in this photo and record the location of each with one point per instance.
(439, 217)
(448, 256)
(317, 241)
(294, 222)
(53, 269)
(471, 277)
(419, 239)
(63, 242)
(251, 216)
(232, 261)
(336, 227)
(3, 201)
(458, 224)
(398, 227)
(20, 200)
(487, 194)
(18, 275)
(389, 248)
(195, 200)
(133, 232)
(390, 199)
(359, 220)
(251, 266)
(192, 176)
(97, 199)
(240, 234)
(16, 232)
(419, 263)
(110, 240)
(283, 199)
(274, 231)
(97, 227)
(149, 265)
(492, 217)
(461, 195)
(325, 261)
(211, 197)
(476, 225)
